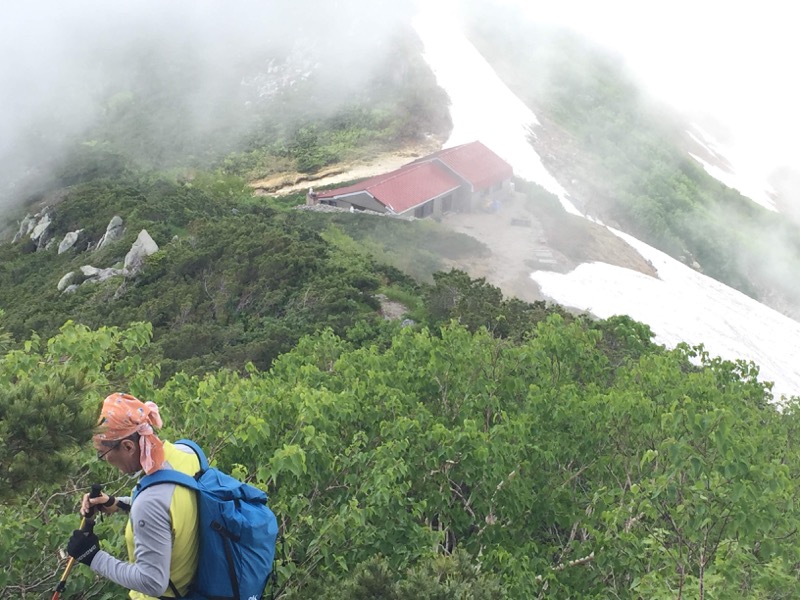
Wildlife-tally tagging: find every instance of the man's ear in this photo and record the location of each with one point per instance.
(129, 445)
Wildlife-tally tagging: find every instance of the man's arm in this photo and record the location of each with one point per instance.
(152, 534)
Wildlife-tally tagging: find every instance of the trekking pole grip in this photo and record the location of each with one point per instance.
(87, 524)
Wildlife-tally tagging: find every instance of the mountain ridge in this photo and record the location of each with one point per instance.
(594, 143)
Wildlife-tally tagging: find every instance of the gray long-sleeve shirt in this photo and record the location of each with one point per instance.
(152, 534)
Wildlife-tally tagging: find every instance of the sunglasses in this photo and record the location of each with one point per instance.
(114, 446)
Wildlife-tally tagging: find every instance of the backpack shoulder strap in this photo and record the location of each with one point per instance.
(197, 450)
(165, 476)
(173, 476)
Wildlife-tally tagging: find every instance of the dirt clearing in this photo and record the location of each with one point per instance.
(384, 162)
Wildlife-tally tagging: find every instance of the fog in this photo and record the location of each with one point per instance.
(729, 64)
(67, 65)
(728, 67)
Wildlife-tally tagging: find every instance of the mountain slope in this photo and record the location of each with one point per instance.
(580, 131)
(729, 324)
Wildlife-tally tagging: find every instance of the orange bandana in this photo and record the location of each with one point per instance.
(124, 415)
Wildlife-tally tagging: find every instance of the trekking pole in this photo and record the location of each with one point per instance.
(87, 524)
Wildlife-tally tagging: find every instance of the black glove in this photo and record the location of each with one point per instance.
(83, 545)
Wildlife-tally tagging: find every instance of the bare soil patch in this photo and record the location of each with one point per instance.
(390, 309)
(522, 240)
(383, 162)
(513, 249)
(584, 241)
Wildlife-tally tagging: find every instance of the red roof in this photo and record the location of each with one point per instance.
(475, 163)
(403, 189)
(431, 176)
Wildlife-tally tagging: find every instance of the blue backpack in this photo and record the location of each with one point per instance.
(237, 532)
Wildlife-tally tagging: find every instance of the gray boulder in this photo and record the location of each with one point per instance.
(28, 223)
(40, 229)
(143, 247)
(113, 232)
(69, 241)
(25, 227)
(95, 275)
(66, 281)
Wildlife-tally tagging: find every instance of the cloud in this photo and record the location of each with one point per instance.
(64, 62)
(733, 61)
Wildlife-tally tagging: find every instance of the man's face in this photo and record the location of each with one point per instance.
(122, 454)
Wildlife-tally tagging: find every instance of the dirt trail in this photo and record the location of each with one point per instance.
(292, 183)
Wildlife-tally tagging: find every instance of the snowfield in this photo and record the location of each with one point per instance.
(686, 306)
(682, 305)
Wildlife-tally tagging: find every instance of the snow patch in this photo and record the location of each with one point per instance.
(683, 305)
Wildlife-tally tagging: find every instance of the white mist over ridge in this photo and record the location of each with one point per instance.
(198, 66)
(736, 175)
(730, 64)
(682, 305)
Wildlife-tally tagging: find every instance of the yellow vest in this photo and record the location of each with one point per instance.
(183, 514)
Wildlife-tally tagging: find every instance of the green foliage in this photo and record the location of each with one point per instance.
(156, 202)
(417, 249)
(454, 577)
(500, 449)
(5, 337)
(475, 304)
(50, 393)
(236, 286)
(576, 460)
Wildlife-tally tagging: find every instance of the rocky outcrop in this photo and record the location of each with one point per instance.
(87, 274)
(95, 275)
(39, 232)
(113, 232)
(25, 227)
(69, 241)
(143, 247)
(35, 226)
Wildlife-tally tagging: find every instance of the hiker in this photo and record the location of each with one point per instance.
(162, 530)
